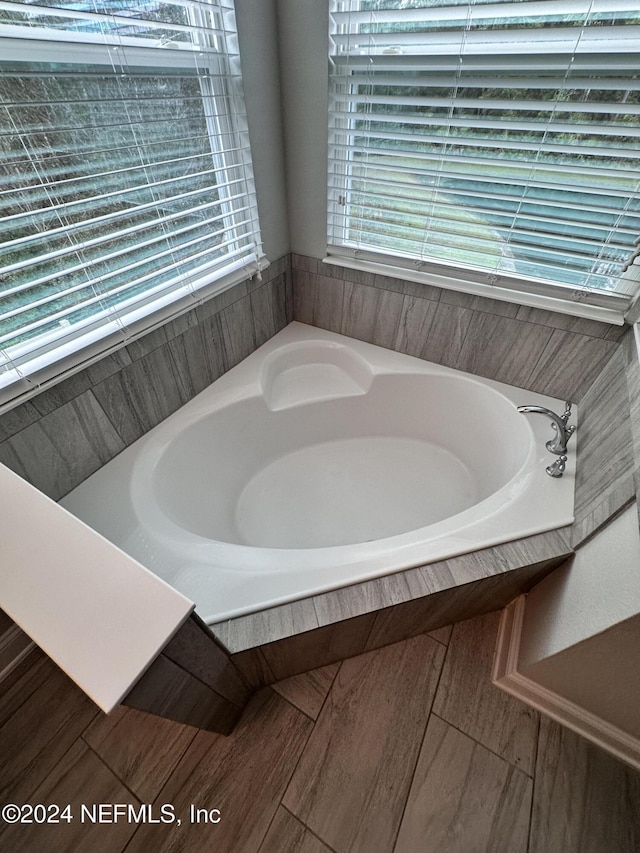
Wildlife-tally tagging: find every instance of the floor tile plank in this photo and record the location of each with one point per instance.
(464, 799)
(79, 779)
(287, 835)
(243, 775)
(308, 690)
(140, 748)
(468, 700)
(39, 728)
(352, 781)
(585, 801)
(22, 683)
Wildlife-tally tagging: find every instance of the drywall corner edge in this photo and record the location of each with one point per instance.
(506, 676)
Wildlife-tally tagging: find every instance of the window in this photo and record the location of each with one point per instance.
(126, 190)
(487, 145)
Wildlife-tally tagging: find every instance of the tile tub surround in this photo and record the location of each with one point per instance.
(543, 351)
(606, 460)
(58, 438)
(323, 629)
(192, 681)
(405, 749)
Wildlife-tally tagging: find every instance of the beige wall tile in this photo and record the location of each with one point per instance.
(371, 314)
(317, 648)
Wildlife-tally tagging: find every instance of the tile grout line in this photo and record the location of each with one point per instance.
(527, 382)
(116, 773)
(427, 633)
(488, 748)
(421, 747)
(293, 705)
(533, 787)
(280, 804)
(168, 779)
(110, 769)
(326, 698)
(309, 830)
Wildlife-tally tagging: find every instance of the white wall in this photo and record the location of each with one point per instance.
(258, 38)
(581, 632)
(303, 27)
(595, 590)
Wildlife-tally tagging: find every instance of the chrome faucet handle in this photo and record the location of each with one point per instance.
(568, 430)
(557, 468)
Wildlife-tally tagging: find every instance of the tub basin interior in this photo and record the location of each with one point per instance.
(352, 490)
(352, 469)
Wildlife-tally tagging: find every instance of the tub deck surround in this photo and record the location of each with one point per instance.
(399, 588)
(283, 641)
(606, 461)
(320, 462)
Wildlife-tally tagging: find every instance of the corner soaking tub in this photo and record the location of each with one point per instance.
(321, 461)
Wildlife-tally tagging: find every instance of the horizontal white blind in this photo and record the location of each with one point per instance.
(125, 180)
(491, 136)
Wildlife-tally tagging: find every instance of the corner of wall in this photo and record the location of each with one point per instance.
(507, 677)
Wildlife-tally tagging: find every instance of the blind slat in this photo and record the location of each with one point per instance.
(527, 207)
(126, 177)
(513, 147)
(577, 129)
(496, 133)
(571, 39)
(100, 296)
(428, 79)
(532, 180)
(85, 263)
(464, 14)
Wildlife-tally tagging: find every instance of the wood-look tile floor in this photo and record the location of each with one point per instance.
(406, 749)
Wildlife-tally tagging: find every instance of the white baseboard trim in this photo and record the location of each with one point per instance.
(15, 645)
(505, 675)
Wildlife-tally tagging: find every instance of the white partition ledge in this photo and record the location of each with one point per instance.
(99, 614)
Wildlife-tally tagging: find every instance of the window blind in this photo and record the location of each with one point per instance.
(126, 188)
(491, 142)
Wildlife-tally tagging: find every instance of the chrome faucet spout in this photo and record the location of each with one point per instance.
(557, 445)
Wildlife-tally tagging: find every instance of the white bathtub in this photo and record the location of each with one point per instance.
(321, 461)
